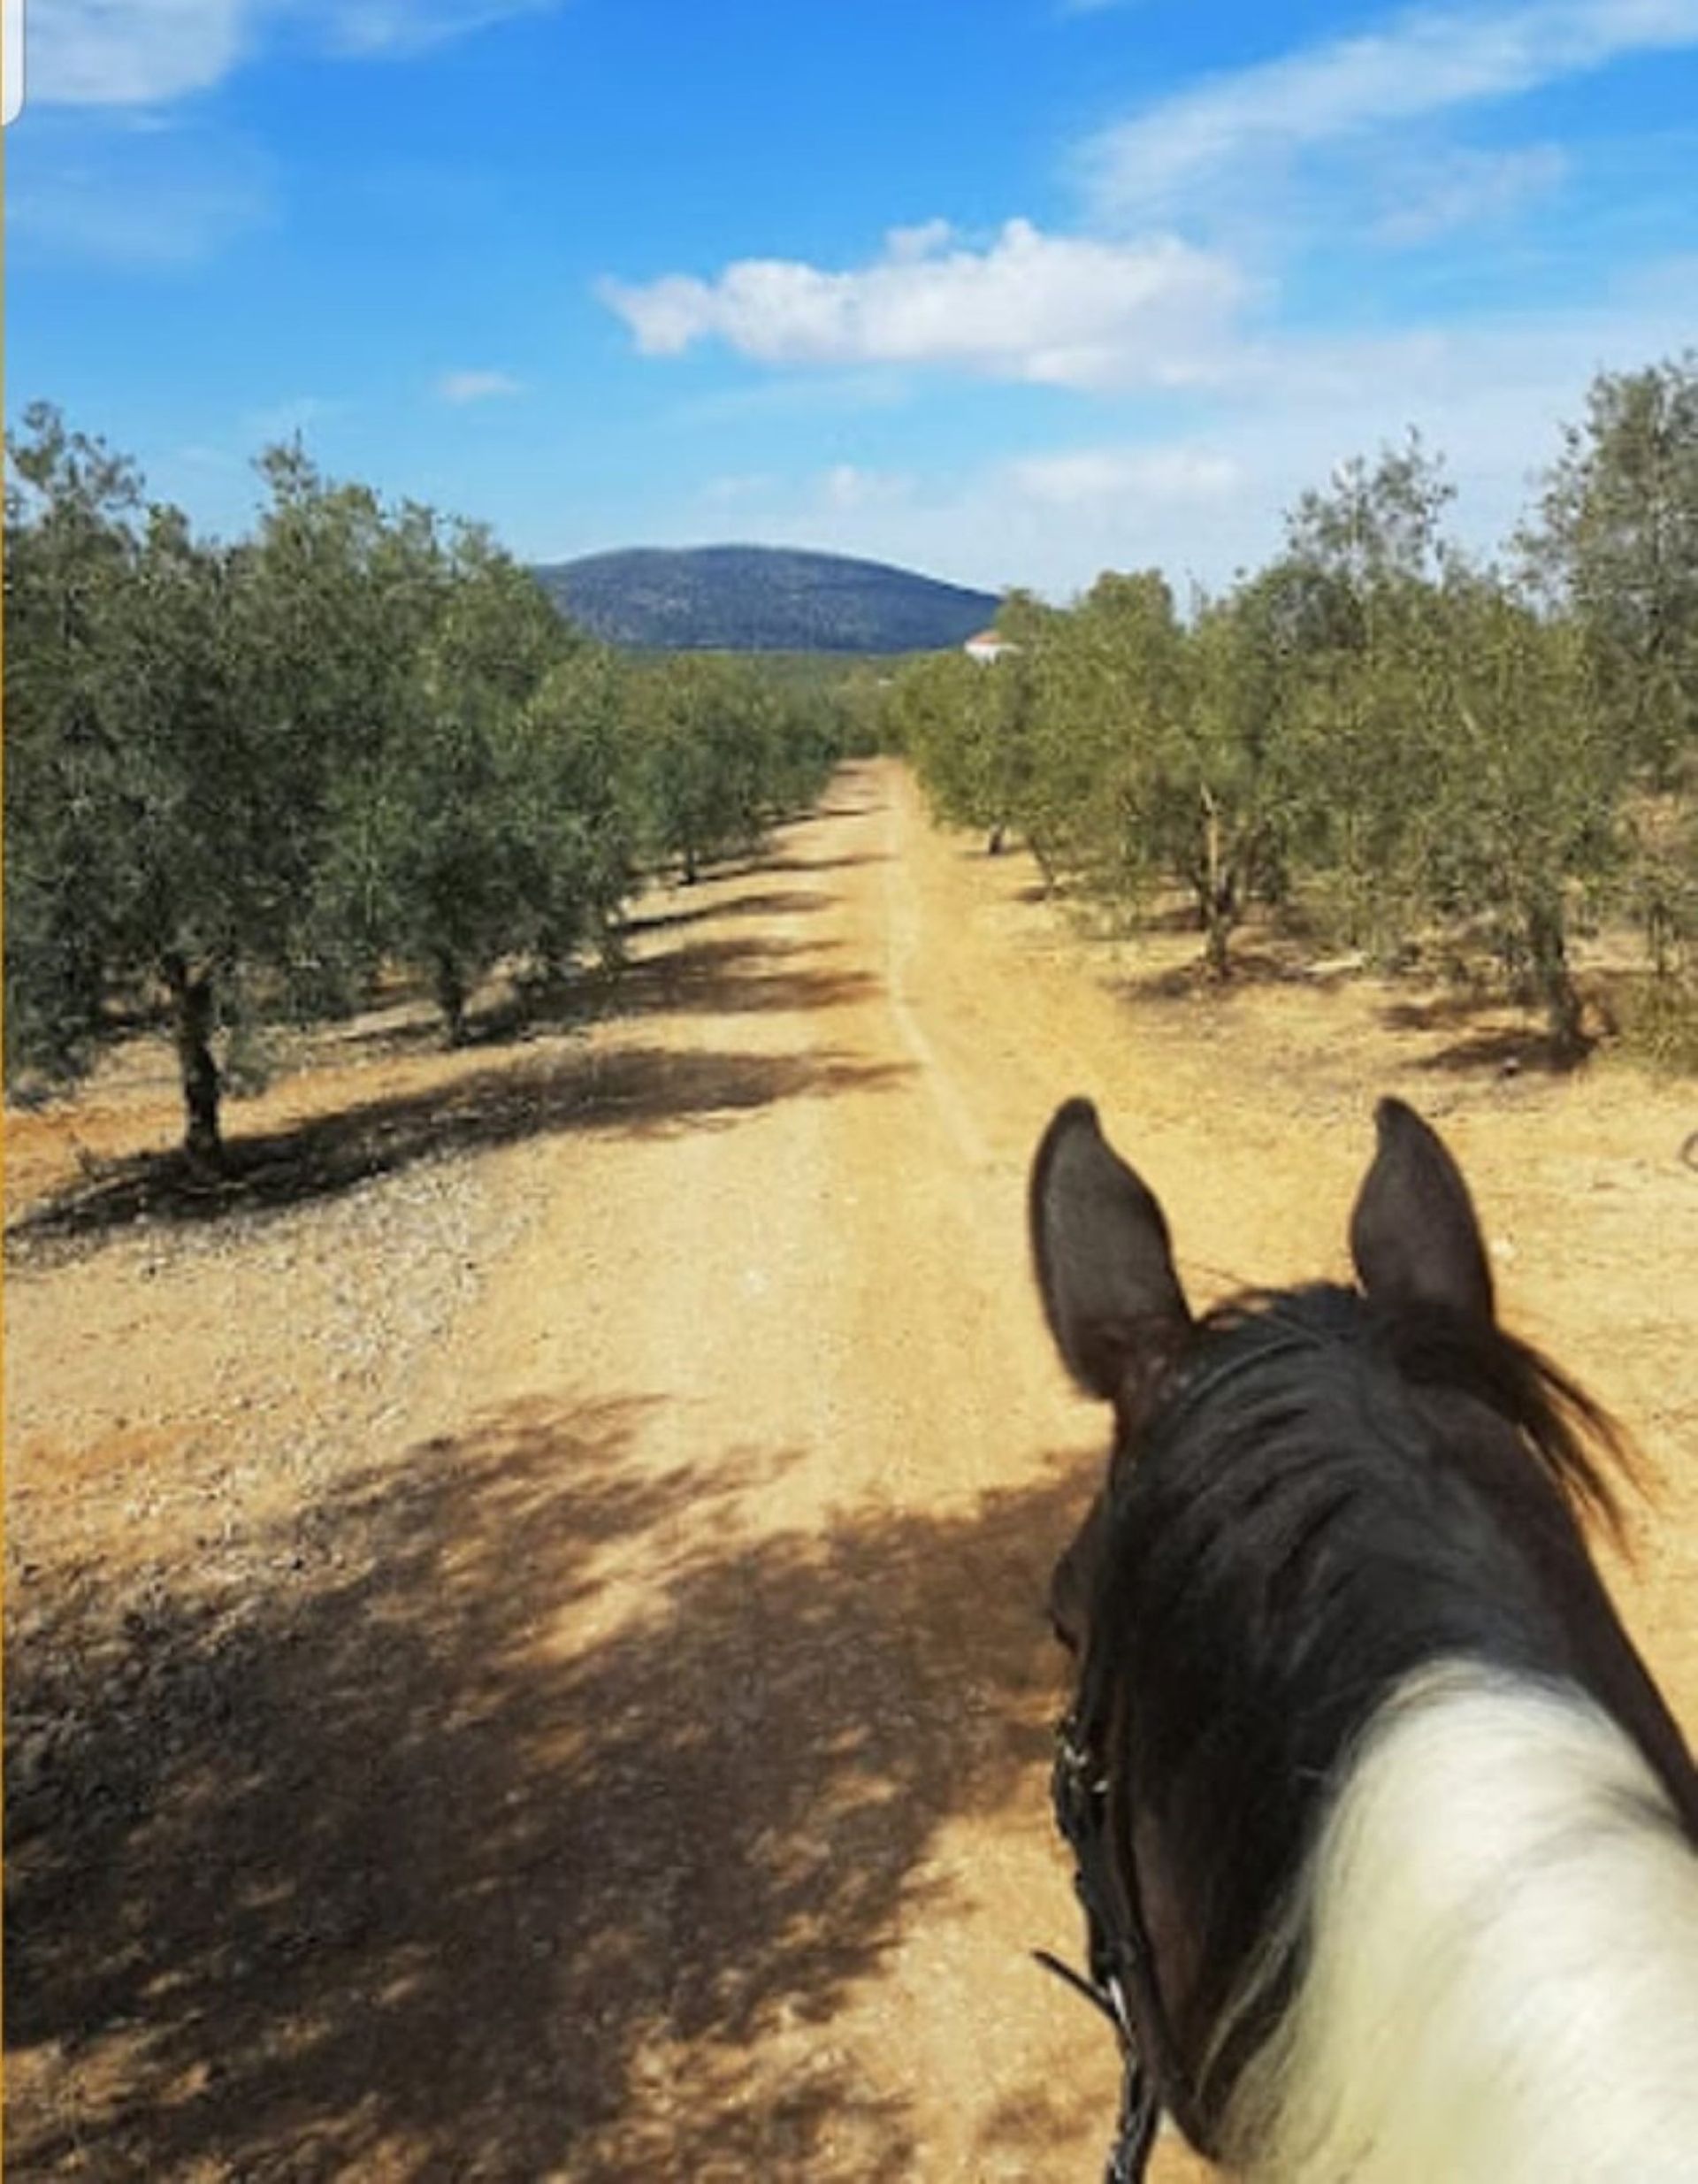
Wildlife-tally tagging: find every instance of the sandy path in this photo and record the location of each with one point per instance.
(604, 1733)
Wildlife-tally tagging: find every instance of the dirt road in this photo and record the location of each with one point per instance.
(525, 1655)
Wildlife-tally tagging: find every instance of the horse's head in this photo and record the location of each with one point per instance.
(1118, 1312)
(1321, 1503)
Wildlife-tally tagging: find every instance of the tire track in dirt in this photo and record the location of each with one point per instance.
(903, 947)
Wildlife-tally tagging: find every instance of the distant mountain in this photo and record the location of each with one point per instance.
(761, 599)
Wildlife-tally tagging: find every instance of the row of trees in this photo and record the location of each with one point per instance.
(241, 779)
(1398, 741)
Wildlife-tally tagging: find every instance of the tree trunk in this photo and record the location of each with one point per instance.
(1217, 939)
(993, 847)
(451, 997)
(1217, 893)
(192, 1012)
(1217, 917)
(1548, 943)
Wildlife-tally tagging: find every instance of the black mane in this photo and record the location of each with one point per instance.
(1329, 1494)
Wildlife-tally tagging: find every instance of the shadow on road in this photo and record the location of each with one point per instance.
(1482, 1041)
(793, 864)
(775, 902)
(502, 1830)
(638, 1091)
(1192, 980)
(733, 976)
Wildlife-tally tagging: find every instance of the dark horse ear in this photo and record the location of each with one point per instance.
(1104, 1266)
(1413, 1235)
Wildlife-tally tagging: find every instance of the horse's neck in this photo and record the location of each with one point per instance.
(1502, 1977)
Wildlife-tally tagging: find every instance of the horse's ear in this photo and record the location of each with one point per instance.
(1104, 1266)
(1414, 1236)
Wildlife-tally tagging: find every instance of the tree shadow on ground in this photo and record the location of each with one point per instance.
(791, 862)
(1484, 1042)
(731, 977)
(635, 1092)
(502, 1830)
(850, 806)
(780, 902)
(511, 1010)
(1506, 1052)
(1456, 1007)
(1248, 968)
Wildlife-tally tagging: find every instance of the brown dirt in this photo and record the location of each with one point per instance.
(525, 1651)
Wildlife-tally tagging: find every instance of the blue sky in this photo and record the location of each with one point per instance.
(1011, 291)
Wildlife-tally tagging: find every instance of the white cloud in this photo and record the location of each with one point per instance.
(1425, 61)
(848, 486)
(150, 200)
(363, 28)
(1056, 310)
(905, 246)
(1055, 521)
(1087, 475)
(1461, 189)
(151, 52)
(464, 387)
(118, 53)
(1202, 504)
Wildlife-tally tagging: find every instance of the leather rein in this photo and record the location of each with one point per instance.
(1114, 1954)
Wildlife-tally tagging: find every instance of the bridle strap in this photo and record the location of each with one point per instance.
(1114, 1950)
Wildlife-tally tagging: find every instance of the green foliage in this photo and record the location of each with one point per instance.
(1376, 529)
(857, 709)
(244, 779)
(1109, 702)
(1522, 832)
(455, 834)
(241, 779)
(1405, 743)
(1618, 546)
(946, 713)
(1357, 599)
(721, 752)
(1234, 797)
(73, 517)
(1660, 892)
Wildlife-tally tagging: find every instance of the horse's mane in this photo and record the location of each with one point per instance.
(1579, 1445)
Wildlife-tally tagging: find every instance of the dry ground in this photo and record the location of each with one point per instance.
(524, 1652)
